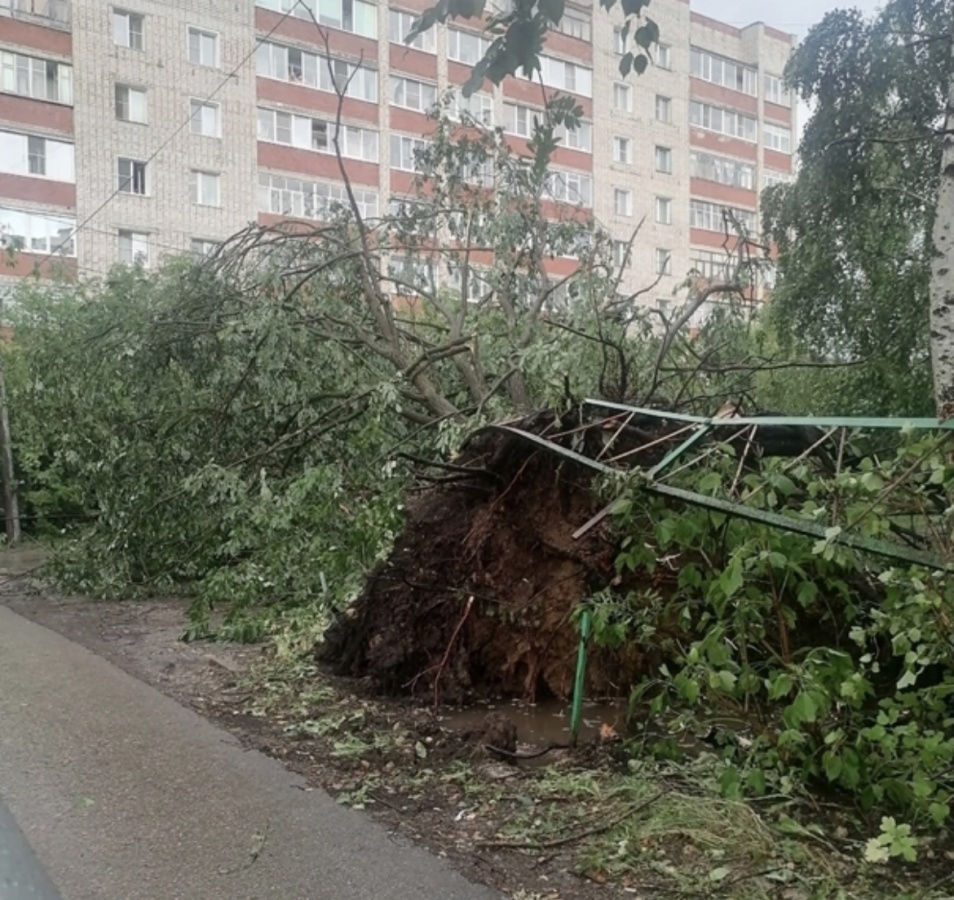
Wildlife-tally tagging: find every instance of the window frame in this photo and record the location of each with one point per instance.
(217, 49)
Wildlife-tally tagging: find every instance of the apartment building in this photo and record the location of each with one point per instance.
(134, 130)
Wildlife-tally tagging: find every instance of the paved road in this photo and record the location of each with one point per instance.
(126, 795)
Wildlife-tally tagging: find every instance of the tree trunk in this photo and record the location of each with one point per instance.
(11, 505)
(942, 273)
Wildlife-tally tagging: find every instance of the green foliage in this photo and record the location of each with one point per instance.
(839, 665)
(853, 230)
(519, 34)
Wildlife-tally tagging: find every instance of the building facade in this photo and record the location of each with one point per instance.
(132, 130)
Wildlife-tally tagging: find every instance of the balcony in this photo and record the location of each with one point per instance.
(49, 13)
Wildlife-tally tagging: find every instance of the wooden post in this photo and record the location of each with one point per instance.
(11, 504)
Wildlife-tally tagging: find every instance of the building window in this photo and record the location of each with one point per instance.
(775, 91)
(35, 156)
(570, 187)
(132, 176)
(130, 104)
(133, 248)
(127, 29)
(35, 232)
(399, 27)
(405, 152)
(662, 158)
(724, 72)
(348, 15)
(664, 211)
(775, 137)
(663, 109)
(619, 42)
(714, 217)
(566, 76)
(203, 249)
(41, 79)
(412, 94)
(579, 138)
(287, 196)
(711, 264)
(663, 58)
(622, 255)
(327, 74)
(622, 97)
(663, 261)
(721, 169)
(621, 150)
(622, 202)
(465, 47)
(722, 121)
(770, 178)
(205, 118)
(477, 107)
(576, 23)
(307, 133)
(203, 47)
(204, 188)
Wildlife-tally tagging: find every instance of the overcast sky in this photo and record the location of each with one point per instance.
(794, 16)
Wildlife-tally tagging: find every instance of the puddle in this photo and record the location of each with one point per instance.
(542, 724)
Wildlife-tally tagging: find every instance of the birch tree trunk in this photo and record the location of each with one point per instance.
(942, 273)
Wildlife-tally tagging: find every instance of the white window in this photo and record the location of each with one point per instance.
(621, 150)
(133, 248)
(465, 47)
(711, 264)
(775, 90)
(566, 76)
(664, 211)
(579, 138)
(775, 137)
(770, 178)
(478, 107)
(132, 176)
(663, 58)
(622, 255)
(576, 23)
(714, 217)
(622, 202)
(479, 171)
(202, 248)
(662, 159)
(412, 94)
(327, 74)
(724, 72)
(34, 232)
(203, 47)
(410, 274)
(355, 16)
(663, 109)
(622, 97)
(41, 79)
(399, 27)
(127, 29)
(205, 118)
(307, 133)
(39, 157)
(130, 104)
(405, 151)
(521, 120)
(722, 121)
(721, 169)
(478, 284)
(204, 188)
(619, 44)
(663, 261)
(570, 187)
(288, 196)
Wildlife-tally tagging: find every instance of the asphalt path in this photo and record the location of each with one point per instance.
(123, 794)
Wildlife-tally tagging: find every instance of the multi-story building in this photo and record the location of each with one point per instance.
(157, 126)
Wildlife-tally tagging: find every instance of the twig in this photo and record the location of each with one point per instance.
(575, 836)
(447, 652)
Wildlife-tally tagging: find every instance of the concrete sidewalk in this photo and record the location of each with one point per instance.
(125, 795)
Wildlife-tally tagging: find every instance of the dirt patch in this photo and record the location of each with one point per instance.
(477, 597)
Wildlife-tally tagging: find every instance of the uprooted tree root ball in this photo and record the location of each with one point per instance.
(477, 597)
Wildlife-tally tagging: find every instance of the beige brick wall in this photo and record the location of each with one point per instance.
(171, 80)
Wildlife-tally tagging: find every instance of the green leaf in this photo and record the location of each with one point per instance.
(552, 10)
(640, 63)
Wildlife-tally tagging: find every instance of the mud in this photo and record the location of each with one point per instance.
(478, 596)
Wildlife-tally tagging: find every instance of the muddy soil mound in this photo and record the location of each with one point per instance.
(478, 595)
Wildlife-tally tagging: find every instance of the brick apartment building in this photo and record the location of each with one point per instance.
(166, 126)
